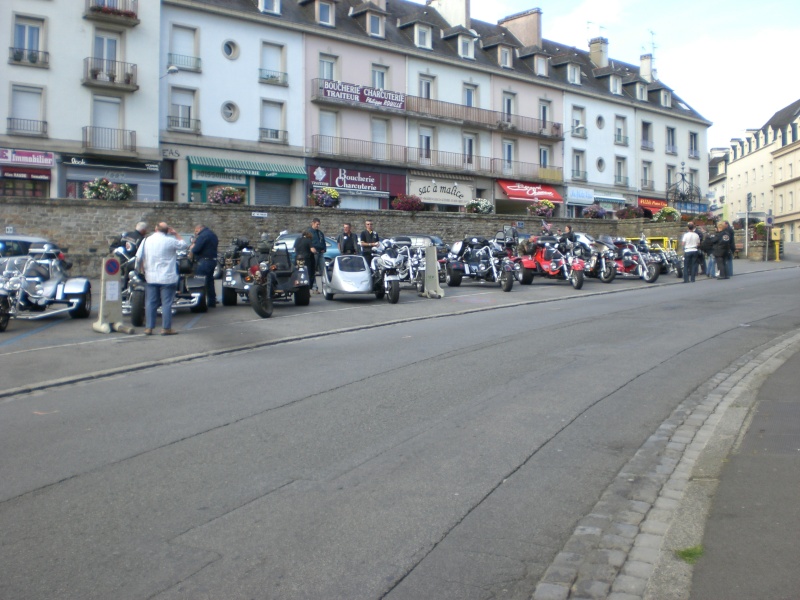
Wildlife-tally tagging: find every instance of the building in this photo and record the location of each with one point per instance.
(718, 180)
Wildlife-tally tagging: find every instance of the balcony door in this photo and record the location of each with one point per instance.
(106, 114)
(327, 131)
(380, 136)
(105, 57)
(26, 109)
(181, 109)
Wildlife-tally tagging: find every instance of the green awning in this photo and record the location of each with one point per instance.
(244, 167)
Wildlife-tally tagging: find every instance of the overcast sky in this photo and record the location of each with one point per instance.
(734, 62)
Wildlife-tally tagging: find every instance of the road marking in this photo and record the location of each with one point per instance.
(22, 336)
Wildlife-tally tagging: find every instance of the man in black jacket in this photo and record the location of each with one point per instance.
(722, 247)
(318, 249)
(729, 256)
(204, 251)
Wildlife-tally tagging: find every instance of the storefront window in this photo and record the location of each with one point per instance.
(24, 188)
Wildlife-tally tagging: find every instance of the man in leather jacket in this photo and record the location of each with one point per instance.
(204, 251)
(722, 247)
(133, 238)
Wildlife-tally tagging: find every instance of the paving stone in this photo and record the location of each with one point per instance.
(629, 585)
(655, 527)
(615, 558)
(624, 530)
(645, 555)
(636, 568)
(630, 517)
(648, 540)
(616, 542)
(593, 590)
(560, 574)
(548, 591)
(666, 503)
(640, 506)
(568, 559)
(596, 572)
(622, 596)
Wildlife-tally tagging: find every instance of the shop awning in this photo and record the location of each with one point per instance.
(25, 173)
(518, 190)
(609, 198)
(243, 167)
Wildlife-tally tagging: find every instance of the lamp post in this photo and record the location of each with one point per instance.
(747, 208)
(171, 70)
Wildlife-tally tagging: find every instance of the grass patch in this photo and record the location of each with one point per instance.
(690, 555)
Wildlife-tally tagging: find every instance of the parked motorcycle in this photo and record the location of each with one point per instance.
(631, 263)
(546, 256)
(37, 286)
(276, 278)
(598, 258)
(389, 261)
(480, 259)
(237, 261)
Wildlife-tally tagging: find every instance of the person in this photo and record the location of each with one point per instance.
(302, 249)
(318, 249)
(707, 247)
(157, 259)
(368, 240)
(134, 238)
(204, 251)
(722, 247)
(347, 240)
(700, 259)
(729, 256)
(691, 243)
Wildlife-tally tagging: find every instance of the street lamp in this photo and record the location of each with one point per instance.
(579, 128)
(171, 70)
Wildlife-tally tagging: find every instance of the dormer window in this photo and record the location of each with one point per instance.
(466, 47)
(375, 25)
(574, 74)
(615, 85)
(666, 99)
(423, 37)
(540, 66)
(270, 6)
(641, 91)
(505, 57)
(325, 13)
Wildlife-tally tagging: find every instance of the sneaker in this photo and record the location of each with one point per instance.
(168, 332)
(148, 331)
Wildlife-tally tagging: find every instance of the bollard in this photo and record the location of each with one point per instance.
(109, 315)
(432, 287)
(777, 251)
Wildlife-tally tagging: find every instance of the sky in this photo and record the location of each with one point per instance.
(734, 62)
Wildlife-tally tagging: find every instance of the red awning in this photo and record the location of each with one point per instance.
(26, 173)
(517, 190)
(652, 204)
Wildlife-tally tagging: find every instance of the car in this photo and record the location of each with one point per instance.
(18, 245)
(290, 238)
(422, 240)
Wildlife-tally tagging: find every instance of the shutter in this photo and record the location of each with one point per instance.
(276, 193)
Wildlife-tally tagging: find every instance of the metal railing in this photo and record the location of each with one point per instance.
(694, 153)
(431, 159)
(124, 9)
(579, 132)
(648, 185)
(29, 57)
(648, 145)
(670, 149)
(449, 111)
(185, 63)
(621, 180)
(103, 138)
(26, 126)
(620, 140)
(579, 175)
(109, 72)
(273, 77)
(183, 124)
(278, 136)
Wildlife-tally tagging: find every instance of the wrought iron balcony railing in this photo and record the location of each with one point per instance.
(620, 140)
(121, 12)
(183, 124)
(579, 175)
(358, 96)
(24, 56)
(26, 127)
(104, 73)
(277, 136)
(669, 149)
(648, 185)
(694, 153)
(273, 77)
(185, 63)
(103, 138)
(431, 159)
(648, 145)
(621, 180)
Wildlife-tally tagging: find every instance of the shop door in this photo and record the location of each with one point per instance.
(276, 193)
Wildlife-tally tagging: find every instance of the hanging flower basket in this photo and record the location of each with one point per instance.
(481, 206)
(408, 202)
(541, 208)
(326, 197)
(102, 189)
(226, 195)
(630, 212)
(594, 211)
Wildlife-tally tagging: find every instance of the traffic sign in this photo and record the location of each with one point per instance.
(770, 221)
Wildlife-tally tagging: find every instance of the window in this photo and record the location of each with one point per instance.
(578, 122)
(694, 151)
(26, 111)
(270, 6)
(647, 176)
(426, 87)
(425, 143)
(540, 65)
(544, 112)
(181, 109)
(620, 131)
(578, 162)
(671, 148)
(466, 47)
(106, 119)
(230, 112)
(544, 156)
(505, 57)
(105, 58)
(272, 64)
(378, 77)
(620, 171)
(574, 74)
(325, 13)
(327, 67)
(379, 134)
(615, 85)
(327, 131)
(423, 36)
(666, 99)
(470, 95)
(375, 25)
(230, 50)
(468, 147)
(271, 121)
(641, 91)
(670, 175)
(508, 106)
(183, 48)
(509, 152)
(27, 40)
(647, 136)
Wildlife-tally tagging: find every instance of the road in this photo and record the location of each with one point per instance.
(431, 449)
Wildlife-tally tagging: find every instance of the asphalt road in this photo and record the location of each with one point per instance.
(431, 449)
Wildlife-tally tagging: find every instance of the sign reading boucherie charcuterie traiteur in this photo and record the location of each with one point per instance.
(362, 94)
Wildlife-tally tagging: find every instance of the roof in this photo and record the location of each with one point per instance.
(784, 116)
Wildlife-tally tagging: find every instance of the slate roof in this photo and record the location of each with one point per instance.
(784, 116)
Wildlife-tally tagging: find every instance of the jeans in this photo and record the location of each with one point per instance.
(159, 294)
(729, 264)
(205, 269)
(689, 266)
(711, 267)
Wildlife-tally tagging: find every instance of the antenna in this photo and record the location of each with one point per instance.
(599, 27)
(653, 54)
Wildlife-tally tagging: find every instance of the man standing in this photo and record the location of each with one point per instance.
(722, 247)
(157, 259)
(134, 238)
(729, 256)
(318, 249)
(347, 240)
(368, 240)
(691, 244)
(204, 250)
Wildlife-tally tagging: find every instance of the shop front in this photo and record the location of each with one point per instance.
(578, 198)
(443, 195)
(610, 202)
(225, 181)
(144, 178)
(653, 205)
(514, 197)
(25, 173)
(357, 189)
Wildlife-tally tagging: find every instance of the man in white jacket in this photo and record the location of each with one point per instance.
(157, 259)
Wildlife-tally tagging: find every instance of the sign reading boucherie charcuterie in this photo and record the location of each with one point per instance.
(365, 95)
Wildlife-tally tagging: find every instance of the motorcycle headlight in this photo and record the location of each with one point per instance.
(263, 266)
(13, 284)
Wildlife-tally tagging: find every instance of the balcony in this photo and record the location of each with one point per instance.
(102, 139)
(579, 175)
(273, 77)
(26, 127)
(183, 124)
(620, 140)
(648, 145)
(373, 99)
(185, 63)
(579, 131)
(102, 73)
(648, 185)
(621, 180)
(453, 162)
(31, 58)
(669, 149)
(276, 136)
(118, 12)
(694, 153)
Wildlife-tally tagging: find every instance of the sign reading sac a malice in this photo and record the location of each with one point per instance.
(364, 95)
(438, 192)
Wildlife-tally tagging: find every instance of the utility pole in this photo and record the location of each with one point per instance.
(747, 221)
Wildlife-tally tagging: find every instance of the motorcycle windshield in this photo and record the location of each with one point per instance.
(351, 263)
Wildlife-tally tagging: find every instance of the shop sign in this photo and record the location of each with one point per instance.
(31, 158)
(580, 195)
(339, 90)
(80, 161)
(354, 180)
(219, 177)
(652, 204)
(20, 173)
(440, 192)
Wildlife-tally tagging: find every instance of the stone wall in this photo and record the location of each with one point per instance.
(85, 226)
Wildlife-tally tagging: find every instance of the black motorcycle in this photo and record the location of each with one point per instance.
(480, 259)
(276, 278)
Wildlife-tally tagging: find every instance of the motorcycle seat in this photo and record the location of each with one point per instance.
(280, 260)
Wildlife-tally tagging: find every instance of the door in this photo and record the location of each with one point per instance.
(379, 137)
(105, 57)
(327, 131)
(105, 123)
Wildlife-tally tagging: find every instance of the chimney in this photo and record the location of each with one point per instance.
(598, 51)
(526, 26)
(455, 12)
(380, 4)
(646, 68)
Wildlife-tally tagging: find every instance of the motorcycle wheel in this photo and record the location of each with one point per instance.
(229, 296)
(506, 281)
(302, 296)
(393, 294)
(679, 272)
(260, 301)
(202, 306)
(608, 275)
(4, 317)
(453, 278)
(651, 273)
(576, 279)
(420, 285)
(526, 276)
(137, 308)
(84, 306)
